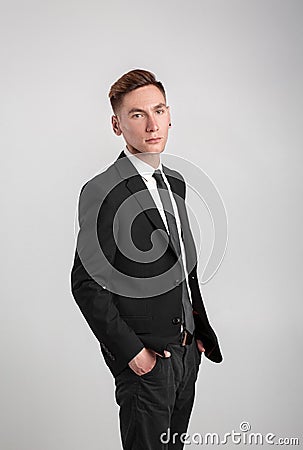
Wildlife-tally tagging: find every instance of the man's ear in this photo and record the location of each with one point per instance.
(168, 110)
(116, 125)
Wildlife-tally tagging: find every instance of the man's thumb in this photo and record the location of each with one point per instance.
(167, 354)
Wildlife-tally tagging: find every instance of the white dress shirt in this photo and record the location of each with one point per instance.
(146, 171)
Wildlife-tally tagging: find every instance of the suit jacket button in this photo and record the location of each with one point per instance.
(176, 320)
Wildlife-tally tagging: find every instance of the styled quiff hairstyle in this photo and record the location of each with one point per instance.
(129, 82)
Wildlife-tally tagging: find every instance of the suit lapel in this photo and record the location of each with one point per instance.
(135, 184)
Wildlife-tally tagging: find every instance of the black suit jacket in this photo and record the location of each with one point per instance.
(126, 277)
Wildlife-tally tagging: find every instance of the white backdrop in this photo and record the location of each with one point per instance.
(233, 74)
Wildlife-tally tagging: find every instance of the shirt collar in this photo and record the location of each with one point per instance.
(145, 170)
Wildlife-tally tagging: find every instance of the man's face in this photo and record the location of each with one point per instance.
(143, 120)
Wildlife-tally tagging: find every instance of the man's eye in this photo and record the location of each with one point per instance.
(137, 115)
(160, 111)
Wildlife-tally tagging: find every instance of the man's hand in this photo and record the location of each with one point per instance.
(200, 345)
(145, 360)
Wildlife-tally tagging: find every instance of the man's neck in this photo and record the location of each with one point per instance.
(153, 159)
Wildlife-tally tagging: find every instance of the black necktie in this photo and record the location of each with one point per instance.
(174, 238)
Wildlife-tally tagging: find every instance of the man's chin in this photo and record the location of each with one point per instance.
(147, 151)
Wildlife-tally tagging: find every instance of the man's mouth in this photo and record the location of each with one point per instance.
(153, 140)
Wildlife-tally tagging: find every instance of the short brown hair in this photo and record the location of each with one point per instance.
(129, 82)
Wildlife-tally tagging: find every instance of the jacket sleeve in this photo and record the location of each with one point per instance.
(90, 275)
(203, 329)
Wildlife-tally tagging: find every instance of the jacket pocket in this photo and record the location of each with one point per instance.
(140, 324)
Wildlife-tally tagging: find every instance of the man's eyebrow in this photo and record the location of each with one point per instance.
(133, 110)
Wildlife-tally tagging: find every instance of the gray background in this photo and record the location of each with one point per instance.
(233, 74)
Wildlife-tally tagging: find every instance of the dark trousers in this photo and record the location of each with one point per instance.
(159, 402)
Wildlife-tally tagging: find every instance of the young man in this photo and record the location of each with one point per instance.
(135, 273)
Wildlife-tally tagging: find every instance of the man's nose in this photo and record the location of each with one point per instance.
(152, 124)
